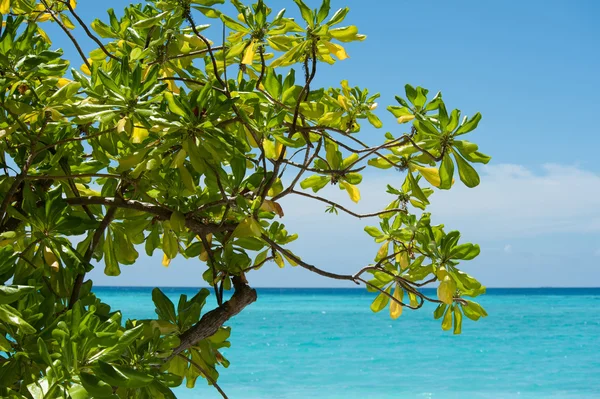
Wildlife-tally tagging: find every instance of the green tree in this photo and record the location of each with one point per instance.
(164, 141)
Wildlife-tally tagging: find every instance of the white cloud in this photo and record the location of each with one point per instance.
(511, 201)
(515, 201)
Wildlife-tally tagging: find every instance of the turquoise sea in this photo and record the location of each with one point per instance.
(326, 343)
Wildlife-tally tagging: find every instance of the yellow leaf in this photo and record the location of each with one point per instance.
(251, 140)
(4, 6)
(446, 290)
(413, 299)
(345, 88)
(67, 22)
(73, 3)
(83, 190)
(51, 259)
(272, 206)
(290, 260)
(383, 251)
(84, 68)
(432, 175)
(44, 35)
(170, 83)
(395, 307)
(343, 102)
(121, 125)
(441, 273)
(166, 261)
(276, 188)
(406, 118)
(247, 228)
(402, 258)
(336, 50)
(352, 190)
(272, 149)
(63, 82)
(203, 255)
(279, 260)
(249, 54)
(138, 135)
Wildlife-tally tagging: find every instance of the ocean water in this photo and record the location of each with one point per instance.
(326, 343)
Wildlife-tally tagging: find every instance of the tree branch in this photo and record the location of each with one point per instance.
(67, 32)
(208, 377)
(210, 323)
(348, 211)
(110, 215)
(305, 265)
(88, 32)
(162, 213)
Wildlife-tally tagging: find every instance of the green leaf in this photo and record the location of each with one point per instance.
(426, 127)
(5, 345)
(399, 111)
(476, 157)
(102, 29)
(373, 231)
(457, 320)
(476, 308)
(468, 126)
(467, 173)
(164, 307)
(465, 147)
(306, 12)
(323, 11)
(67, 92)
(95, 386)
(374, 120)
(122, 376)
(116, 351)
(315, 182)
(12, 293)
(446, 172)
(465, 251)
(233, 24)
(174, 105)
(338, 16)
(381, 301)
(170, 244)
(43, 351)
(447, 321)
(439, 311)
(186, 178)
(10, 315)
(150, 22)
(416, 189)
(177, 221)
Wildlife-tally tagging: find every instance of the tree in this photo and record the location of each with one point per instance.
(166, 141)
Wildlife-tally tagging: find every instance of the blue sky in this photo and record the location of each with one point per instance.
(531, 68)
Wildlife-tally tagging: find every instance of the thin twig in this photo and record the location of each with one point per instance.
(348, 211)
(88, 32)
(209, 378)
(67, 32)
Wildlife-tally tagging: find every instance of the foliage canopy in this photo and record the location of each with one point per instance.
(164, 141)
